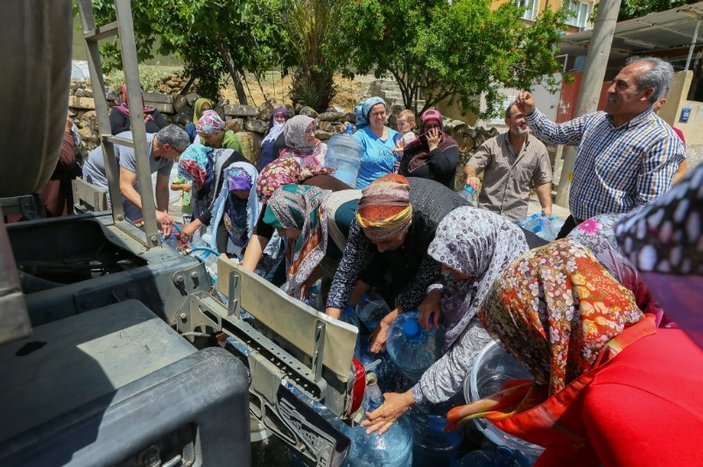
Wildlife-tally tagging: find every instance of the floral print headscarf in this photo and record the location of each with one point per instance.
(554, 309)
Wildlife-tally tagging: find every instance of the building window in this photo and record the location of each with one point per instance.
(532, 8)
(580, 11)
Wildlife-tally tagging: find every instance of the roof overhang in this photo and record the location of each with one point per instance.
(667, 34)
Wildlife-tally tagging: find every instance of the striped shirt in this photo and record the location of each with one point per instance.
(508, 176)
(619, 168)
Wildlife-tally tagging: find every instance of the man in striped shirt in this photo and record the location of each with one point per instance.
(627, 155)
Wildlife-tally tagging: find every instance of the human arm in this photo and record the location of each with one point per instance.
(658, 168)
(544, 195)
(542, 178)
(349, 270)
(446, 376)
(430, 311)
(683, 168)
(379, 336)
(254, 252)
(429, 273)
(190, 229)
(162, 195)
(481, 159)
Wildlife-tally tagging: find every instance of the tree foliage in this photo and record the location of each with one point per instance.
(636, 8)
(212, 37)
(457, 50)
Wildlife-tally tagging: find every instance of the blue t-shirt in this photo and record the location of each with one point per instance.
(378, 158)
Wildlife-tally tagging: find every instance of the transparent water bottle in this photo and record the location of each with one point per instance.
(371, 310)
(431, 444)
(412, 348)
(469, 194)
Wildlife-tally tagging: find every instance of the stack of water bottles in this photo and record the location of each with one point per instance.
(545, 227)
(412, 348)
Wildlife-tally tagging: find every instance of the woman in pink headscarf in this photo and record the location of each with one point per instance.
(434, 154)
(119, 117)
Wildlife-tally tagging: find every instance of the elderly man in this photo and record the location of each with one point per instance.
(627, 156)
(511, 163)
(163, 148)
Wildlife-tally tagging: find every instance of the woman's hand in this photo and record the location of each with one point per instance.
(430, 310)
(393, 407)
(379, 336)
(190, 229)
(433, 136)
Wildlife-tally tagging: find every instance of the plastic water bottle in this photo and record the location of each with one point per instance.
(388, 376)
(393, 448)
(371, 310)
(431, 444)
(547, 228)
(344, 155)
(349, 129)
(412, 348)
(469, 194)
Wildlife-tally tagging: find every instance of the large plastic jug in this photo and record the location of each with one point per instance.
(387, 374)
(492, 369)
(393, 448)
(371, 310)
(412, 348)
(344, 155)
(498, 457)
(432, 446)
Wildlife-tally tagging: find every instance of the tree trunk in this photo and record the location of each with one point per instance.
(233, 72)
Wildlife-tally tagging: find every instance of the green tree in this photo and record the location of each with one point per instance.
(456, 50)
(310, 29)
(212, 37)
(636, 8)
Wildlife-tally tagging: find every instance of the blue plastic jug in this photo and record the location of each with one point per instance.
(344, 155)
(387, 374)
(469, 194)
(412, 348)
(432, 445)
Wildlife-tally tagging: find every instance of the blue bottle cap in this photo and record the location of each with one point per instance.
(411, 328)
(469, 189)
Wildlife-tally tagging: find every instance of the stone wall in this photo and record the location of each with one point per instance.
(248, 122)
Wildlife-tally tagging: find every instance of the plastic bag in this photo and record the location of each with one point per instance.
(547, 228)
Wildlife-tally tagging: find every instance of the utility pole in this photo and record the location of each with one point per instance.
(594, 73)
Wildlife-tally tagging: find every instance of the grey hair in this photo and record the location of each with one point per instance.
(507, 109)
(659, 76)
(174, 136)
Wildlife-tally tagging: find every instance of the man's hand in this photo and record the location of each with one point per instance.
(547, 211)
(433, 136)
(474, 182)
(525, 102)
(393, 407)
(430, 310)
(165, 221)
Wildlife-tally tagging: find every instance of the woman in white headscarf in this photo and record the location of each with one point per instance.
(301, 143)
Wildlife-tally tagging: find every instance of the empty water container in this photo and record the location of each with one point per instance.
(412, 348)
(432, 446)
(492, 369)
(344, 155)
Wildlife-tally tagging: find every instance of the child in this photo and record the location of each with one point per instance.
(405, 123)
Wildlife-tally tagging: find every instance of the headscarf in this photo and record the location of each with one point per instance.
(384, 208)
(480, 244)
(368, 105)
(598, 235)
(125, 110)
(223, 205)
(210, 123)
(198, 106)
(556, 310)
(238, 179)
(294, 134)
(419, 147)
(359, 117)
(193, 164)
(665, 243)
(283, 171)
(275, 129)
(298, 207)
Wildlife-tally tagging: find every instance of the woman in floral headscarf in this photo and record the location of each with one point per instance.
(274, 140)
(235, 210)
(301, 143)
(201, 105)
(598, 235)
(212, 132)
(119, 117)
(473, 246)
(203, 167)
(278, 173)
(587, 345)
(316, 223)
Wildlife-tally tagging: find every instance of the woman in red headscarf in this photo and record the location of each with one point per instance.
(434, 154)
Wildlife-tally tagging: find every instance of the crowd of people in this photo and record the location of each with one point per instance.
(615, 383)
